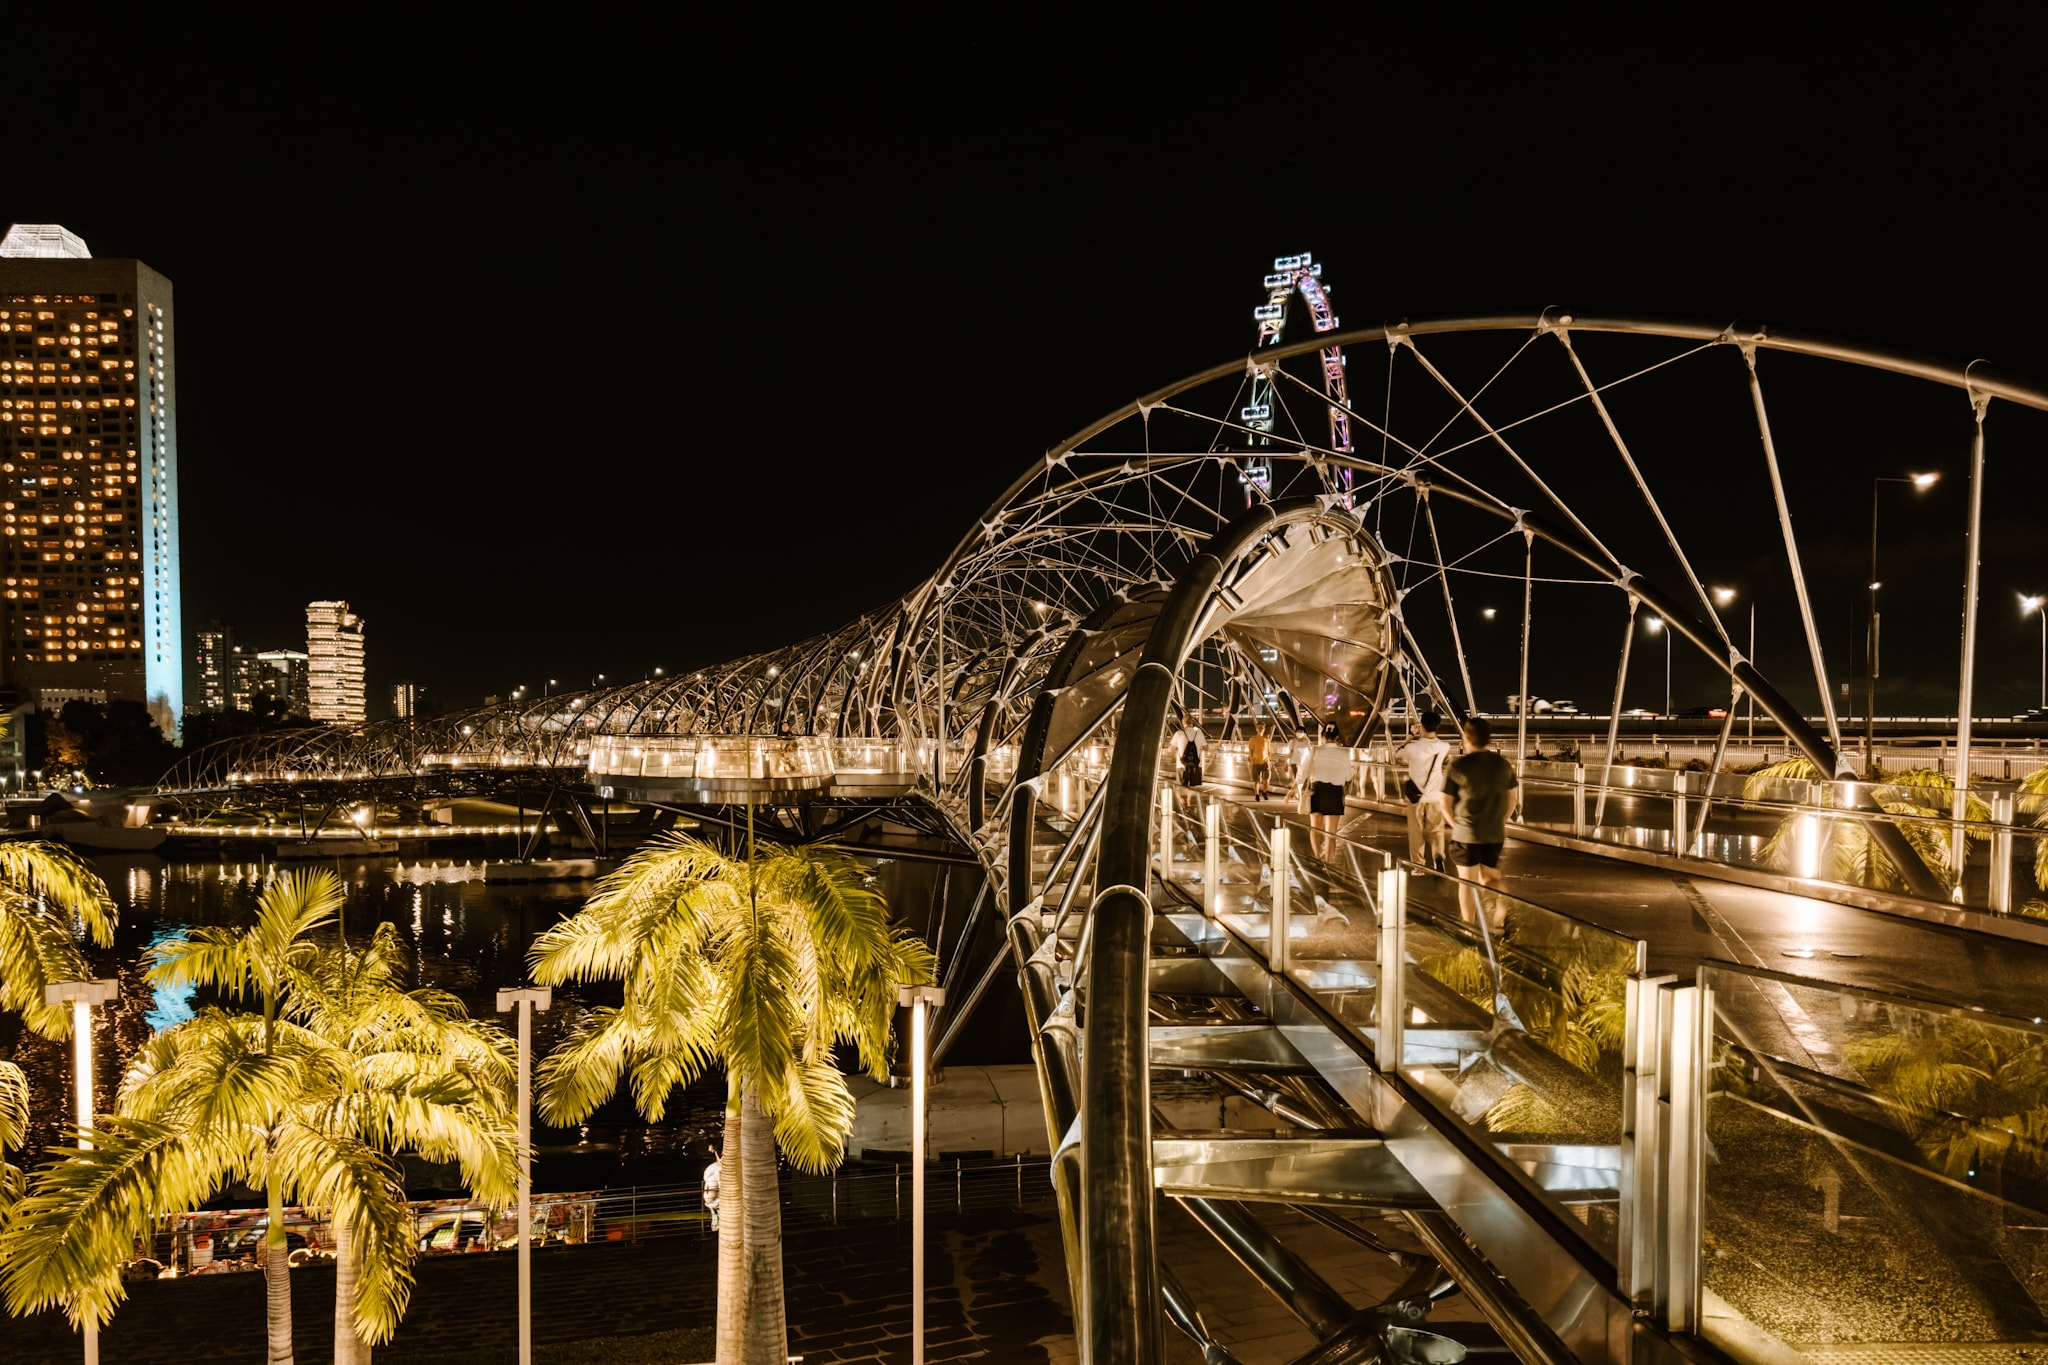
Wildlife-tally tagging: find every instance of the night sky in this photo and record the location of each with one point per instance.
(567, 358)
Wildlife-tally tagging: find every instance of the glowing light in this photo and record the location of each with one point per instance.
(1925, 481)
(1723, 596)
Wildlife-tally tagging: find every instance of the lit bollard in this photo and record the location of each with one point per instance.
(82, 996)
(1684, 1014)
(2001, 853)
(1165, 833)
(1640, 1224)
(1276, 932)
(1390, 998)
(1212, 830)
(526, 1001)
(1579, 799)
(1678, 825)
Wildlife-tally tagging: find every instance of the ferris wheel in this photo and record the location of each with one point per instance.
(1293, 275)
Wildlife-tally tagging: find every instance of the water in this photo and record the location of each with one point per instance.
(467, 938)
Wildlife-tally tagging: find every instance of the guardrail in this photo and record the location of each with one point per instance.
(1758, 1158)
(216, 1242)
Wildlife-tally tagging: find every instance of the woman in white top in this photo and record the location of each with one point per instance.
(1326, 774)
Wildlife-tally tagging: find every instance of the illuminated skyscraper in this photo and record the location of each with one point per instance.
(214, 660)
(334, 663)
(279, 675)
(88, 476)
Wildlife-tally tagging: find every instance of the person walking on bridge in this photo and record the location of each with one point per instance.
(1258, 751)
(1480, 789)
(1424, 789)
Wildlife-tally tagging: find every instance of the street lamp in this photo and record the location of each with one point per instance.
(1656, 627)
(82, 996)
(526, 1000)
(1722, 598)
(1920, 483)
(2038, 604)
(917, 997)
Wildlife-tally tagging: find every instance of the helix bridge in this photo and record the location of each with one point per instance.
(1603, 1140)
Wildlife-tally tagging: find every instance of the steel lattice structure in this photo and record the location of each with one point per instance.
(1120, 579)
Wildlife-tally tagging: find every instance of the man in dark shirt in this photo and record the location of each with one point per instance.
(1480, 790)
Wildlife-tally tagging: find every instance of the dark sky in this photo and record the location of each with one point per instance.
(596, 352)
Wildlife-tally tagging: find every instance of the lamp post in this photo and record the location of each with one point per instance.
(1656, 627)
(82, 996)
(1722, 597)
(2038, 604)
(526, 1000)
(918, 998)
(1921, 483)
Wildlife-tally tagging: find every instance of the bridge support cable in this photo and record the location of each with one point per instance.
(1563, 334)
(1628, 639)
(1959, 847)
(1528, 613)
(1443, 577)
(1840, 767)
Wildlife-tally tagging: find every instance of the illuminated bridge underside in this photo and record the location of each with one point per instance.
(1022, 694)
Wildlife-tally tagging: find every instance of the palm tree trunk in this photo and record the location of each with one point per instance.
(732, 1281)
(767, 1331)
(349, 1349)
(277, 1281)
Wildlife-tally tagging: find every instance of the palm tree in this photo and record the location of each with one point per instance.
(422, 1076)
(763, 964)
(224, 1096)
(1848, 853)
(46, 890)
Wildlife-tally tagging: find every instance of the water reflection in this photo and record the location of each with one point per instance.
(467, 938)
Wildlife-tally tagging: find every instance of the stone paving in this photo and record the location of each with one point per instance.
(997, 1293)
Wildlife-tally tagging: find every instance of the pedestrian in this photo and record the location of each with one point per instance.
(1480, 791)
(1326, 773)
(1423, 788)
(1259, 752)
(714, 1175)
(1188, 743)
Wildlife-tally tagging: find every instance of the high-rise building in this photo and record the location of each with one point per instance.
(214, 657)
(88, 475)
(279, 675)
(405, 700)
(334, 653)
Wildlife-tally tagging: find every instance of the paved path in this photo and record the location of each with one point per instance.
(1688, 918)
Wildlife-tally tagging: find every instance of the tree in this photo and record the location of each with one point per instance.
(422, 1076)
(221, 1096)
(46, 893)
(763, 964)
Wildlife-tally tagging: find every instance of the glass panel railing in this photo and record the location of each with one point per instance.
(1516, 1018)
(1515, 1031)
(1875, 1170)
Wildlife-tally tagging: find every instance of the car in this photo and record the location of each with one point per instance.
(1537, 705)
(2033, 713)
(1639, 713)
(1565, 708)
(1704, 713)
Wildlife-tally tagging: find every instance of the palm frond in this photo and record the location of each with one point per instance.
(65, 1243)
(364, 1189)
(36, 950)
(813, 1115)
(53, 873)
(1758, 786)
(14, 1115)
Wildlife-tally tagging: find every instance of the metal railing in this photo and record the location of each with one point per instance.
(213, 1242)
(1751, 1152)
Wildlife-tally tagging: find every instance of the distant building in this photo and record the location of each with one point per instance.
(334, 651)
(213, 669)
(88, 451)
(405, 700)
(280, 675)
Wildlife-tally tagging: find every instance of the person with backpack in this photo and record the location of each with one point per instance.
(1423, 787)
(1480, 792)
